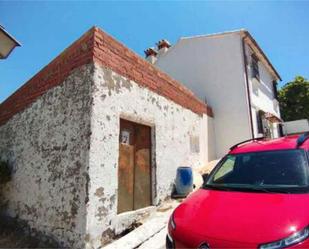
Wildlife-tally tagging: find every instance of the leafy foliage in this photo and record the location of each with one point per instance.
(294, 99)
(5, 172)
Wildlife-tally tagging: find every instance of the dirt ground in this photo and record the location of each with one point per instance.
(13, 241)
(12, 235)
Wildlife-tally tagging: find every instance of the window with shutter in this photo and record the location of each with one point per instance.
(259, 122)
(255, 67)
(275, 89)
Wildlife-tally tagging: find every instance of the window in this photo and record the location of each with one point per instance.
(255, 67)
(267, 171)
(280, 130)
(259, 121)
(275, 89)
(226, 168)
(255, 87)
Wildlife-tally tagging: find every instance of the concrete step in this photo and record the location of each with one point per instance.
(151, 234)
(155, 242)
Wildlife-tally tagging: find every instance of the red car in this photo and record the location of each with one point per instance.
(256, 197)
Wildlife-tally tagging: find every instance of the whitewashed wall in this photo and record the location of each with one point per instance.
(47, 146)
(212, 67)
(64, 151)
(116, 97)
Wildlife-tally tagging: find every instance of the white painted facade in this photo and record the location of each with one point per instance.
(172, 126)
(64, 150)
(296, 126)
(213, 67)
(262, 95)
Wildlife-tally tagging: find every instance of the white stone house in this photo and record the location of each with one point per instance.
(231, 72)
(94, 138)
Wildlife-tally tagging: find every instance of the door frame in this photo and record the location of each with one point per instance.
(153, 165)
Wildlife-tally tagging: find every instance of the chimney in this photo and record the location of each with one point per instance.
(163, 45)
(151, 55)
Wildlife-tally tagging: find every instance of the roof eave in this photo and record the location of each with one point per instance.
(17, 43)
(246, 34)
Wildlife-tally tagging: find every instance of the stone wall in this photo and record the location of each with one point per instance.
(47, 146)
(116, 97)
(64, 151)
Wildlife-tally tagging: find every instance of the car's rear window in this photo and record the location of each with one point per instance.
(265, 170)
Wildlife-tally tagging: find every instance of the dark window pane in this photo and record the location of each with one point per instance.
(259, 122)
(275, 89)
(280, 130)
(255, 67)
(270, 168)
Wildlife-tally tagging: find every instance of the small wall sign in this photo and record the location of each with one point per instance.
(125, 137)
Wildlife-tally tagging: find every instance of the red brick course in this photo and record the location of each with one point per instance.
(97, 46)
(78, 54)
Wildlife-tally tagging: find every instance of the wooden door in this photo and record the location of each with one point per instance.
(134, 174)
(142, 169)
(126, 167)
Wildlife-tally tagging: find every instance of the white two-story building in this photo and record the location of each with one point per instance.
(233, 75)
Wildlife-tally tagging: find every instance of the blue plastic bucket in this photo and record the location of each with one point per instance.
(184, 181)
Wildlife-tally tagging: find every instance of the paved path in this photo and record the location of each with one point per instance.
(155, 242)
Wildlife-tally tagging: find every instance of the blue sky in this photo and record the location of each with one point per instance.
(46, 28)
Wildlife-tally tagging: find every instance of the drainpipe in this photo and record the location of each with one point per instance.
(247, 86)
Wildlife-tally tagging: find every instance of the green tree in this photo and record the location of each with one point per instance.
(294, 99)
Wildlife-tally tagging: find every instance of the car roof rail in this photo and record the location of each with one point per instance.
(246, 141)
(302, 138)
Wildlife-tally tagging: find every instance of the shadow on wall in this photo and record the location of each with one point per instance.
(212, 154)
